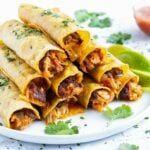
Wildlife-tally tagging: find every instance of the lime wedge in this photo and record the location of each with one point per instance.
(146, 89)
(144, 77)
(134, 59)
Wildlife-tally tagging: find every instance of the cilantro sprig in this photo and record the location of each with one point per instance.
(126, 146)
(122, 111)
(118, 38)
(96, 19)
(61, 128)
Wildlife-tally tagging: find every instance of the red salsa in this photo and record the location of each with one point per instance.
(142, 16)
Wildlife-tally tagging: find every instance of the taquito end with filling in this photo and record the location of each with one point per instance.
(32, 85)
(130, 89)
(58, 26)
(109, 74)
(15, 113)
(91, 57)
(68, 83)
(95, 95)
(58, 108)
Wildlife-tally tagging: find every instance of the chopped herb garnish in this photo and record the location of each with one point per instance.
(81, 117)
(118, 38)
(85, 125)
(46, 12)
(3, 81)
(100, 23)
(1, 124)
(146, 118)
(96, 14)
(95, 37)
(66, 22)
(8, 57)
(136, 126)
(126, 146)
(147, 131)
(122, 111)
(55, 15)
(82, 15)
(61, 128)
(26, 32)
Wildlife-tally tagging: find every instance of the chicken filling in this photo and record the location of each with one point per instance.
(132, 91)
(72, 42)
(110, 79)
(22, 118)
(99, 99)
(70, 87)
(59, 112)
(94, 59)
(36, 91)
(53, 63)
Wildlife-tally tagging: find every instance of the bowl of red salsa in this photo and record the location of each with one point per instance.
(142, 15)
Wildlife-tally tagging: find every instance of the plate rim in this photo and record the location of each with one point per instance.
(76, 138)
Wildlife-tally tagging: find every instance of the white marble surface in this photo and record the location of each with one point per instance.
(122, 15)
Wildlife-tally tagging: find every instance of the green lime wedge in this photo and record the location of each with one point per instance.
(134, 59)
(146, 89)
(144, 77)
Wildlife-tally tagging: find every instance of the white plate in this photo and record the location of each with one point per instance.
(97, 126)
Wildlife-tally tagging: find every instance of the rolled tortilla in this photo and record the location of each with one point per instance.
(58, 26)
(60, 108)
(68, 83)
(15, 112)
(34, 48)
(32, 85)
(95, 95)
(92, 56)
(109, 74)
(130, 89)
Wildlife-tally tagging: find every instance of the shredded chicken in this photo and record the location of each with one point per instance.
(59, 112)
(94, 59)
(132, 91)
(36, 91)
(70, 87)
(73, 39)
(110, 79)
(99, 99)
(21, 119)
(53, 63)
(72, 42)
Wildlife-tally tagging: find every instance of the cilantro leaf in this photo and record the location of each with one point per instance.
(122, 111)
(126, 146)
(61, 128)
(82, 15)
(96, 14)
(147, 131)
(118, 38)
(100, 23)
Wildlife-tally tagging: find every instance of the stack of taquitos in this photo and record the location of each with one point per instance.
(15, 112)
(65, 83)
(34, 61)
(63, 30)
(91, 58)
